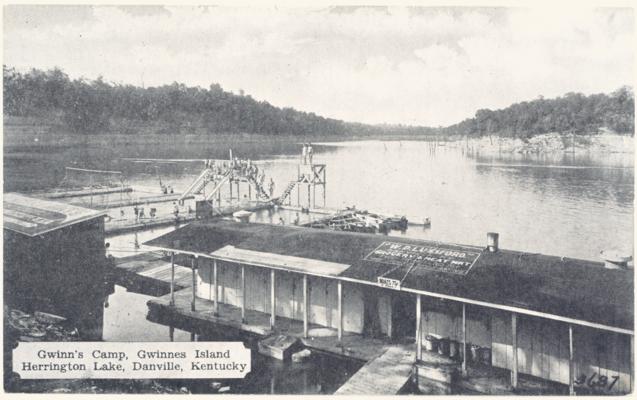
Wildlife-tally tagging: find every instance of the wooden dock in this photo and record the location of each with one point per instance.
(149, 273)
(387, 374)
(115, 227)
(353, 346)
(82, 192)
(159, 198)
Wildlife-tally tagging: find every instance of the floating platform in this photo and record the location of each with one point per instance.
(160, 198)
(83, 192)
(385, 375)
(115, 227)
(149, 273)
(280, 347)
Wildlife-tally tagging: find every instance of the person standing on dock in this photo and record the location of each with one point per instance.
(296, 219)
(310, 152)
(304, 154)
(271, 187)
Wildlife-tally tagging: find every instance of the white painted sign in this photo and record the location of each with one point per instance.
(388, 283)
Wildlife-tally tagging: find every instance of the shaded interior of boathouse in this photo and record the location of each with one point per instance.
(561, 320)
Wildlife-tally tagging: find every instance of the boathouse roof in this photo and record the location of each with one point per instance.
(567, 289)
(33, 216)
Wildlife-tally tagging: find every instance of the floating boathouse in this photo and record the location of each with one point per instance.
(559, 320)
(53, 255)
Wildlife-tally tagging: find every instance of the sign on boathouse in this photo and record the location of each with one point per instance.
(455, 260)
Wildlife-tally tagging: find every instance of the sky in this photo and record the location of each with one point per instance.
(412, 66)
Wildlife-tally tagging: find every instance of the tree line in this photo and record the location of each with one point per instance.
(99, 107)
(573, 113)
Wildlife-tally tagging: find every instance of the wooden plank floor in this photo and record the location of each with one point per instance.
(154, 268)
(352, 346)
(385, 375)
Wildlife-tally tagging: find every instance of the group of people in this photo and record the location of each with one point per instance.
(140, 213)
(307, 153)
(244, 166)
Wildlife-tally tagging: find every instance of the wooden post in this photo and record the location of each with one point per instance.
(305, 307)
(464, 339)
(309, 197)
(272, 298)
(194, 283)
(172, 278)
(571, 369)
(238, 189)
(632, 363)
(230, 181)
(339, 286)
(243, 294)
(215, 288)
(389, 319)
(249, 191)
(418, 328)
(171, 333)
(514, 343)
(324, 185)
(314, 195)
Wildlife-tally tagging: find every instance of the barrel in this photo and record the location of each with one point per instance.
(485, 355)
(443, 347)
(454, 349)
(431, 343)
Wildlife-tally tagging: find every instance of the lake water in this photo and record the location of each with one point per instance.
(572, 205)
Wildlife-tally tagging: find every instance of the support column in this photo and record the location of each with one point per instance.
(249, 191)
(215, 288)
(418, 328)
(171, 333)
(324, 185)
(194, 283)
(230, 184)
(309, 197)
(464, 339)
(389, 320)
(571, 369)
(243, 294)
(306, 304)
(514, 342)
(272, 298)
(340, 309)
(172, 278)
(632, 363)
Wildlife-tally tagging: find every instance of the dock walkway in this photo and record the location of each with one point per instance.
(353, 345)
(385, 375)
(149, 273)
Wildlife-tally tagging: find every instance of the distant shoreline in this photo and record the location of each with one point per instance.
(16, 137)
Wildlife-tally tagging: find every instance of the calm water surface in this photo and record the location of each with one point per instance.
(572, 205)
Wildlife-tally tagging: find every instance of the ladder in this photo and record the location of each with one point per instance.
(260, 191)
(286, 192)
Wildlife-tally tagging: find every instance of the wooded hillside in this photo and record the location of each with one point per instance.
(98, 107)
(572, 113)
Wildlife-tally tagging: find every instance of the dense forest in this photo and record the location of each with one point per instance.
(98, 107)
(571, 113)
